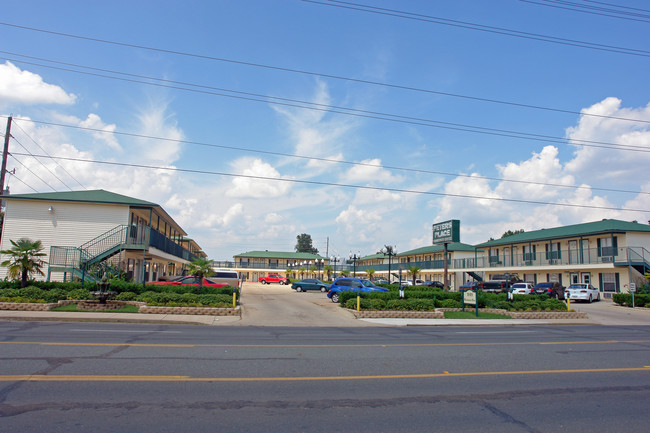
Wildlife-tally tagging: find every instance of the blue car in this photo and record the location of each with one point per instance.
(354, 285)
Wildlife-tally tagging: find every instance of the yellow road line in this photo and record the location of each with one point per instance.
(46, 343)
(131, 378)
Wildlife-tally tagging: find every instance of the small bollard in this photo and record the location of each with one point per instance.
(234, 299)
(358, 303)
(568, 304)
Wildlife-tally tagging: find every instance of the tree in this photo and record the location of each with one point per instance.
(304, 244)
(200, 267)
(370, 272)
(328, 271)
(24, 259)
(510, 233)
(413, 271)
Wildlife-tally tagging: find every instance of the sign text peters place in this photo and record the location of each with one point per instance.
(445, 232)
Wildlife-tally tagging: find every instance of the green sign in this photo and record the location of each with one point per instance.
(469, 297)
(445, 232)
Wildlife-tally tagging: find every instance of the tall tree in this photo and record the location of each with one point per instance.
(510, 233)
(200, 267)
(304, 244)
(24, 259)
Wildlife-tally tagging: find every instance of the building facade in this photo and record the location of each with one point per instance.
(88, 233)
(254, 264)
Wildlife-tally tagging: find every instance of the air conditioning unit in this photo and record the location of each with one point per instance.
(608, 259)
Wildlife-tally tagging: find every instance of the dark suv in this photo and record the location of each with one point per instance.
(553, 290)
(352, 284)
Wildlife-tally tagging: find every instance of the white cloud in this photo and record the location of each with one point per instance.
(18, 86)
(93, 121)
(363, 224)
(596, 164)
(370, 171)
(156, 120)
(257, 188)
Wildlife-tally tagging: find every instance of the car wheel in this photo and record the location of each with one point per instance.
(590, 300)
(323, 289)
(263, 281)
(335, 298)
(298, 289)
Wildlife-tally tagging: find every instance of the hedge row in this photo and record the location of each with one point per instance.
(436, 298)
(155, 295)
(119, 286)
(625, 299)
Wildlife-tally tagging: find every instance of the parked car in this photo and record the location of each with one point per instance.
(494, 286)
(310, 284)
(227, 276)
(405, 283)
(273, 278)
(352, 284)
(434, 284)
(188, 281)
(469, 285)
(523, 289)
(553, 290)
(381, 282)
(582, 292)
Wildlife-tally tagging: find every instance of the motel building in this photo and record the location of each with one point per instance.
(86, 234)
(608, 254)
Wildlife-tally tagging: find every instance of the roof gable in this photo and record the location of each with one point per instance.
(89, 196)
(584, 229)
(280, 255)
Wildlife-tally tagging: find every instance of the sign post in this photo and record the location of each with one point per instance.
(632, 291)
(470, 297)
(443, 233)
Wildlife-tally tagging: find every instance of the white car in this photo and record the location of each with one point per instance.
(406, 283)
(523, 289)
(582, 292)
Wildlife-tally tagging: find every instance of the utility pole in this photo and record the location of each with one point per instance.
(4, 157)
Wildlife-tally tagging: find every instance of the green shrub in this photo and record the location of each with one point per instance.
(126, 296)
(366, 304)
(54, 295)
(448, 303)
(78, 294)
(33, 293)
(625, 299)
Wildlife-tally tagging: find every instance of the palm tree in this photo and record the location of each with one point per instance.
(345, 273)
(413, 271)
(328, 271)
(370, 272)
(301, 271)
(200, 267)
(24, 259)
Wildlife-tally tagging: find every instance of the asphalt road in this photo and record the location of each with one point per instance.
(74, 377)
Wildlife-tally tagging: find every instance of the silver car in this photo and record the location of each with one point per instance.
(582, 292)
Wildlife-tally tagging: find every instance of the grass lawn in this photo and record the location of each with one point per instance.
(73, 308)
(472, 315)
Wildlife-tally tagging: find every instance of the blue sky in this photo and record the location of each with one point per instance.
(295, 50)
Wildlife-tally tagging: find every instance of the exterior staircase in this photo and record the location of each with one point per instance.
(92, 260)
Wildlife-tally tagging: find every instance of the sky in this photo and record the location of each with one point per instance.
(361, 124)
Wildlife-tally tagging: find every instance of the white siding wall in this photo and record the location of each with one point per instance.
(638, 240)
(70, 224)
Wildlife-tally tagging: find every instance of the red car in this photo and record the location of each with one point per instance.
(189, 281)
(274, 278)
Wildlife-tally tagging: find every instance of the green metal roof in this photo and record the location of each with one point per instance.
(375, 256)
(452, 246)
(605, 226)
(91, 196)
(280, 255)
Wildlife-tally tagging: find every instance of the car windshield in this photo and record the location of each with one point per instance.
(367, 283)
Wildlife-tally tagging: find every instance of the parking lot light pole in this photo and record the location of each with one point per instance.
(354, 259)
(390, 251)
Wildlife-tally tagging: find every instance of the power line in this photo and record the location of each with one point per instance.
(28, 169)
(340, 185)
(328, 160)
(304, 72)
(37, 160)
(40, 147)
(593, 10)
(480, 27)
(21, 181)
(396, 118)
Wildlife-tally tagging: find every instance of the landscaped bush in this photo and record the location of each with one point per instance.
(625, 299)
(126, 296)
(78, 294)
(366, 304)
(448, 303)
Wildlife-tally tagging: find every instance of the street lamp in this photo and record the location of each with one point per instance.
(354, 259)
(319, 263)
(390, 251)
(335, 259)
